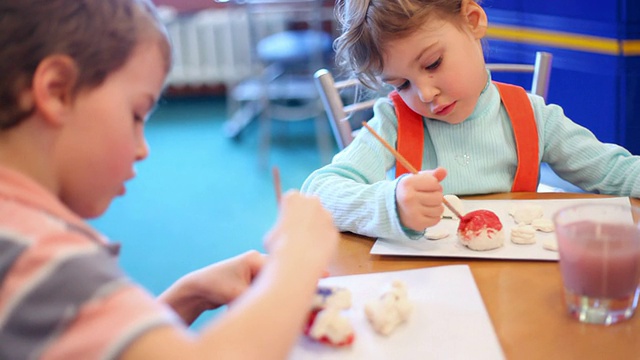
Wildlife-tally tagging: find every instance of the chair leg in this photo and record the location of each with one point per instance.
(323, 138)
(264, 146)
(241, 117)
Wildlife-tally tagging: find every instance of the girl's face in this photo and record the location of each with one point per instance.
(439, 70)
(103, 135)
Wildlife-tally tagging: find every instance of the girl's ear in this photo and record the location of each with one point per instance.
(53, 87)
(475, 18)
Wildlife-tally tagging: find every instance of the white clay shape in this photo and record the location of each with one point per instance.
(436, 234)
(550, 244)
(523, 235)
(390, 310)
(526, 213)
(543, 224)
(330, 324)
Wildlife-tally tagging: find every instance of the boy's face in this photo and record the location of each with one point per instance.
(103, 135)
(439, 70)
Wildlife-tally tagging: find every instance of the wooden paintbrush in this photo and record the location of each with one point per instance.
(406, 164)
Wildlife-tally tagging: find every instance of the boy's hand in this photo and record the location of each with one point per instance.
(304, 233)
(213, 286)
(419, 199)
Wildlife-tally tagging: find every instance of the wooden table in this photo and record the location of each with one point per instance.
(524, 299)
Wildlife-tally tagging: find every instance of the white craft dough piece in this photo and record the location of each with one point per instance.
(523, 235)
(485, 239)
(331, 296)
(331, 324)
(550, 244)
(526, 213)
(456, 203)
(542, 224)
(390, 310)
(436, 234)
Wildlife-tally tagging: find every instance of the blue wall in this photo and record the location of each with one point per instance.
(598, 88)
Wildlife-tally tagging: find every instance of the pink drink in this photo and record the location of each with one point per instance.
(600, 260)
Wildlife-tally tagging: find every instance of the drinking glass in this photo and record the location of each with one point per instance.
(599, 247)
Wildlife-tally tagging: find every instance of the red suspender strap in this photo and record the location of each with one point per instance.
(520, 111)
(410, 134)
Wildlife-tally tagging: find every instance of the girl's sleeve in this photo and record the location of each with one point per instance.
(577, 156)
(354, 187)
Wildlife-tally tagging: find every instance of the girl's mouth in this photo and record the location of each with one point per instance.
(445, 110)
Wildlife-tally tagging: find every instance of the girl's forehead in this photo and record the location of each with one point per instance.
(422, 36)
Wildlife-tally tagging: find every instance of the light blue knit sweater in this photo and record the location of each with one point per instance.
(479, 155)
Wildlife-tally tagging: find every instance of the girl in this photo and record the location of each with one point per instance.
(447, 114)
(78, 79)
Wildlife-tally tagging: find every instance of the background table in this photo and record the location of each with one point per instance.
(524, 299)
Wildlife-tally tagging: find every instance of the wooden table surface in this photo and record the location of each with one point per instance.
(524, 299)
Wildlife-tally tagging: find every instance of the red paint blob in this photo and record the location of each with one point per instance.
(478, 220)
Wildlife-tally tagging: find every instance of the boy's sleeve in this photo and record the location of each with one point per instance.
(71, 301)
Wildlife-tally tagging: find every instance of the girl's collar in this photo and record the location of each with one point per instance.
(485, 100)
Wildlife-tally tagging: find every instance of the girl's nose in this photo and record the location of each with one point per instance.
(427, 92)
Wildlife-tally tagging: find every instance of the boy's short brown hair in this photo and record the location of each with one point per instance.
(99, 35)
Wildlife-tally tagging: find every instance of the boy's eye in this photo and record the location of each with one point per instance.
(435, 64)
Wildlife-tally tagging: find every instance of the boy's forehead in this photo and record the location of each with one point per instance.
(145, 67)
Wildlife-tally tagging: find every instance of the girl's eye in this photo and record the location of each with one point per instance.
(402, 86)
(435, 64)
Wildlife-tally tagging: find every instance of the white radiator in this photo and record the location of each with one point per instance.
(214, 47)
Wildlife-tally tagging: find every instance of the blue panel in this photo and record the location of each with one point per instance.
(600, 92)
(587, 62)
(631, 12)
(502, 4)
(608, 29)
(631, 20)
(630, 108)
(574, 9)
(606, 11)
(589, 100)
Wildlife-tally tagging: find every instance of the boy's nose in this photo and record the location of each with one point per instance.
(143, 150)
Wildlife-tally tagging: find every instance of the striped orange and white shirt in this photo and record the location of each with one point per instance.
(62, 293)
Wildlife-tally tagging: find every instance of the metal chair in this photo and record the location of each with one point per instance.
(332, 93)
(289, 42)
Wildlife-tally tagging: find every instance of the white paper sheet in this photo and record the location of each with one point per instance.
(451, 247)
(449, 320)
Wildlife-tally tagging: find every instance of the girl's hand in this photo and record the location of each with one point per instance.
(419, 199)
(213, 286)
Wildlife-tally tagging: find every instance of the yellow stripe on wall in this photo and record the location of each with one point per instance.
(631, 47)
(564, 40)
